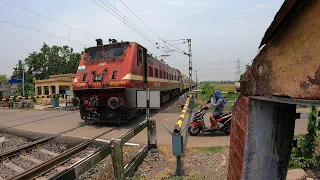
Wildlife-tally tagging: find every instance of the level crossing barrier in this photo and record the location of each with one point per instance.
(34, 97)
(179, 135)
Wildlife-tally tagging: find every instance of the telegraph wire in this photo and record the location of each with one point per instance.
(40, 15)
(12, 24)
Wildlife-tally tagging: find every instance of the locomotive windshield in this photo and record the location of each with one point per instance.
(109, 51)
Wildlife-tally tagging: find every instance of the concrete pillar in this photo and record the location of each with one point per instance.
(261, 139)
(57, 89)
(50, 90)
(36, 89)
(42, 90)
(269, 140)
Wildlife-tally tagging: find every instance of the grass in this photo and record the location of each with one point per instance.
(225, 87)
(209, 150)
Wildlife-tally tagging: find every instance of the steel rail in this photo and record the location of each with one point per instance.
(33, 144)
(50, 164)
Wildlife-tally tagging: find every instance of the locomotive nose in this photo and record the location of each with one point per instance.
(113, 102)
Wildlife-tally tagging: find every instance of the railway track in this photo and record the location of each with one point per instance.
(34, 160)
(42, 119)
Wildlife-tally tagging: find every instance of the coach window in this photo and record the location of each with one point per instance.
(156, 73)
(160, 74)
(150, 71)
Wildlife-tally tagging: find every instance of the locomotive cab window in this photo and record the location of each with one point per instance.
(109, 51)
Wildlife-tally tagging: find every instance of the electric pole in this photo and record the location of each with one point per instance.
(238, 72)
(190, 63)
(196, 78)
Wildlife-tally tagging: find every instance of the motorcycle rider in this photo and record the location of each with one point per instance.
(219, 104)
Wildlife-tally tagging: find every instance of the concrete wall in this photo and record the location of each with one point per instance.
(289, 65)
(261, 139)
(269, 140)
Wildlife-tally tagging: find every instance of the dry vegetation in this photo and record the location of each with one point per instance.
(226, 87)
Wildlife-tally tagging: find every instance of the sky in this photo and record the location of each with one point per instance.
(221, 32)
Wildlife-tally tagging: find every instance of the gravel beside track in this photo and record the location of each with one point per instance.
(11, 142)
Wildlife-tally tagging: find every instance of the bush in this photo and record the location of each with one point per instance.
(303, 156)
(207, 90)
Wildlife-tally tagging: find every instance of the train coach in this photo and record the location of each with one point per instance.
(109, 76)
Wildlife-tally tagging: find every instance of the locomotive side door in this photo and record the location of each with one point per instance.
(145, 66)
(142, 64)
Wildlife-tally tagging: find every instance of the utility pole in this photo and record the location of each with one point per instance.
(23, 78)
(196, 77)
(238, 72)
(190, 63)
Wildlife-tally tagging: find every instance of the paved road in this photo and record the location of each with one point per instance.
(57, 121)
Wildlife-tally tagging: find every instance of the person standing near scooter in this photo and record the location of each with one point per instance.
(219, 104)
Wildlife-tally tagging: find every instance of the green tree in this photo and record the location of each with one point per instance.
(3, 79)
(48, 61)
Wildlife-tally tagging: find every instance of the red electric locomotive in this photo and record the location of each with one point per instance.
(109, 75)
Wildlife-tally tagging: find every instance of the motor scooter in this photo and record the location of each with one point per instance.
(198, 123)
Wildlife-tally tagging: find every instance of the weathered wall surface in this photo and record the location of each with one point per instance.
(238, 137)
(269, 140)
(289, 65)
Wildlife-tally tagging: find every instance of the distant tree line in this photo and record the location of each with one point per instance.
(218, 82)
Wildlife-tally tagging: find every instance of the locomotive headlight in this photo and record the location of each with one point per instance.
(98, 77)
(113, 102)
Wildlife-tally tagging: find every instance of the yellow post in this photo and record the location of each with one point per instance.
(178, 126)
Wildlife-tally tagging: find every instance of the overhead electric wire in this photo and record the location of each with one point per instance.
(27, 10)
(183, 52)
(138, 18)
(125, 18)
(177, 40)
(177, 44)
(12, 24)
(130, 26)
(175, 47)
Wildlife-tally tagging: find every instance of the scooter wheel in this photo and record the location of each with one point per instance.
(193, 130)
